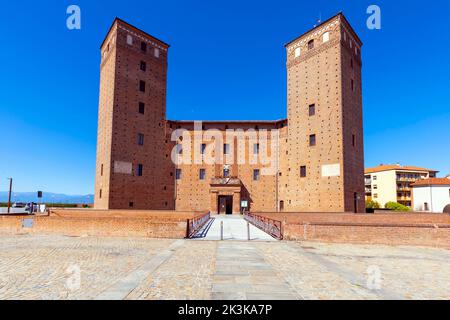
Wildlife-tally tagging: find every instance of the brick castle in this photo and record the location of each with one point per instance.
(313, 161)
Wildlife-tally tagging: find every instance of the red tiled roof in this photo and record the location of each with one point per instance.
(432, 182)
(388, 167)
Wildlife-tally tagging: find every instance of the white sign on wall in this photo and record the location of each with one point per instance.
(123, 167)
(331, 170)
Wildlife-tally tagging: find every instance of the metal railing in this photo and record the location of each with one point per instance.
(194, 225)
(269, 226)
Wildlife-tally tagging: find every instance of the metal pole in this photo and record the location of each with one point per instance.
(9, 197)
(248, 231)
(221, 230)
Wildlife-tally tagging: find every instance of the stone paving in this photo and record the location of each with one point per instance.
(56, 267)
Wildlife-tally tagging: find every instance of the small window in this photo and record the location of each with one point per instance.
(311, 44)
(141, 108)
(129, 40)
(375, 178)
(142, 86)
(156, 53)
(202, 174)
(353, 85)
(303, 172)
(326, 37)
(297, 52)
(143, 47)
(143, 66)
(140, 170)
(178, 174)
(375, 195)
(426, 206)
(226, 172)
(203, 148)
(226, 148)
(131, 204)
(101, 170)
(100, 194)
(375, 187)
(256, 148)
(354, 140)
(256, 175)
(140, 139)
(312, 110)
(312, 140)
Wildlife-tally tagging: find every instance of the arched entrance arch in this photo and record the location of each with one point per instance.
(447, 209)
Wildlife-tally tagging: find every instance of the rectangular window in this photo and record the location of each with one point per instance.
(375, 178)
(203, 148)
(354, 140)
(178, 174)
(140, 139)
(141, 108)
(142, 86)
(140, 170)
(226, 148)
(143, 66)
(143, 47)
(303, 172)
(312, 140)
(226, 173)
(101, 170)
(131, 204)
(100, 193)
(202, 174)
(312, 110)
(156, 53)
(353, 85)
(256, 148)
(256, 175)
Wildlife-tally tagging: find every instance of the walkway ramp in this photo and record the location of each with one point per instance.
(234, 229)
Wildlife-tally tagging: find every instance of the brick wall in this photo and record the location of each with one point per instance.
(390, 229)
(170, 225)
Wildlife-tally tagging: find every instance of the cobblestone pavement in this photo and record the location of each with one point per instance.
(56, 267)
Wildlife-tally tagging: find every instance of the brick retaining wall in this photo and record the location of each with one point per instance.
(390, 229)
(95, 226)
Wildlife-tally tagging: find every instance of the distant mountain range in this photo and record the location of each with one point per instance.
(47, 198)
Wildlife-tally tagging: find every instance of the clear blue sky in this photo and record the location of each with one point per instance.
(227, 61)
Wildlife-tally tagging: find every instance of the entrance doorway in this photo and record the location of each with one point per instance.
(225, 205)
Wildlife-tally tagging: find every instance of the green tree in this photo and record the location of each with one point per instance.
(395, 206)
(372, 204)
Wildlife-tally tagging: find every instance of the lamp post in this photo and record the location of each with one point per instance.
(9, 196)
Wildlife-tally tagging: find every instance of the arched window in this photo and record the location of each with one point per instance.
(326, 37)
(311, 44)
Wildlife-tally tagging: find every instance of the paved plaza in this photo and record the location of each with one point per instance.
(57, 267)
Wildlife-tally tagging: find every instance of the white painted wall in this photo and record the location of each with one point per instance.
(437, 197)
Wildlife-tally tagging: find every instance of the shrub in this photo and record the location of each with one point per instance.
(395, 206)
(372, 205)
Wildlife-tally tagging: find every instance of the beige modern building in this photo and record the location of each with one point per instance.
(392, 183)
(310, 162)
